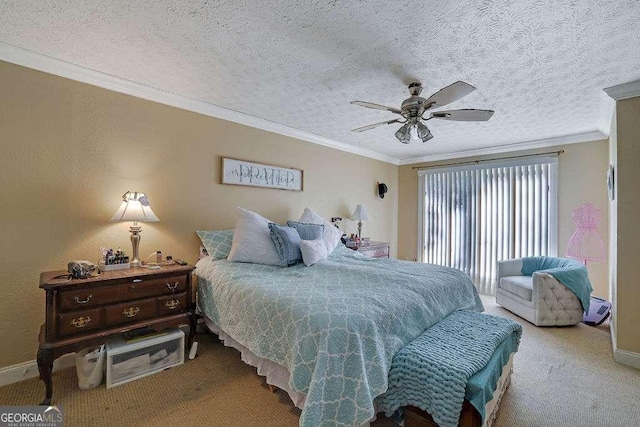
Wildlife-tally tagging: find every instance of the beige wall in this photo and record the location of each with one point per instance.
(70, 150)
(627, 280)
(582, 170)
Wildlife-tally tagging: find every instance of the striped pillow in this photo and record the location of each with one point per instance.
(287, 242)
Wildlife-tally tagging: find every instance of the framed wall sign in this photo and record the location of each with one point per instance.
(241, 172)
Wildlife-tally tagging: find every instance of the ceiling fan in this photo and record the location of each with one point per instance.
(414, 108)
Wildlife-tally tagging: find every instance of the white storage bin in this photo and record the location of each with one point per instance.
(143, 356)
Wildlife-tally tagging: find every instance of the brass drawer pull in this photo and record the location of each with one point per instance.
(84, 301)
(172, 287)
(81, 322)
(137, 280)
(131, 311)
(172, 304)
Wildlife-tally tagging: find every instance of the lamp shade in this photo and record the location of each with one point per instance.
(135, 207)
(360, 214)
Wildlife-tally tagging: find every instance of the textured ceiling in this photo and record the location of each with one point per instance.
(541, 65)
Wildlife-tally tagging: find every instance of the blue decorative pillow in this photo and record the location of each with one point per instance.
(216, 242)
(307, 231)
(287, 241)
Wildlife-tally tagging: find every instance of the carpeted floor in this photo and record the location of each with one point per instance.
(562, 377)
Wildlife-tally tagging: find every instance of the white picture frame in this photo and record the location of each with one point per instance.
(243, 172)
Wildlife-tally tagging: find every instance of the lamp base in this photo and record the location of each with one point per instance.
(135, 243)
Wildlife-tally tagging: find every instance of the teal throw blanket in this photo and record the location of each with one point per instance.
(432, 371)
(483, 384)
(570, 273)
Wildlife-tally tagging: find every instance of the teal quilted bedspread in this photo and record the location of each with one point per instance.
(336, 325)
(432, 372)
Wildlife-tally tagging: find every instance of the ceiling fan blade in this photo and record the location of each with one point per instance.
(466, 115)
(448, 94)
(375, 125)
(376, 106)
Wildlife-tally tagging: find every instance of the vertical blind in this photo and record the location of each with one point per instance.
(474, 216)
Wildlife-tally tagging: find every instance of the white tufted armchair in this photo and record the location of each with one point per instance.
(541, 298)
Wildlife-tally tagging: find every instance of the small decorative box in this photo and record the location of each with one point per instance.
(113, 260)
(111, 267)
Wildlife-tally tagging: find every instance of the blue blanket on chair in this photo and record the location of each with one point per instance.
(570, 273)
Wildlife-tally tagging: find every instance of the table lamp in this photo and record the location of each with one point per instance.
(135, 207)
(360, 214)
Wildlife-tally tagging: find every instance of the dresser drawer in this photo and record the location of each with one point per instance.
(130, 311)
(79, 321)
(172, 304)
(123, 290)
(138, 288)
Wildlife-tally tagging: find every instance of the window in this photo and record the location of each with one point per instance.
(473, 216)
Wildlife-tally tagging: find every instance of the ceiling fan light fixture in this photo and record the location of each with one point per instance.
(423, 132)
(404, 133)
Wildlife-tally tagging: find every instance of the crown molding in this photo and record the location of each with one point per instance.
(605, 117)
(47, 64)
(624, 91)
(520, 146)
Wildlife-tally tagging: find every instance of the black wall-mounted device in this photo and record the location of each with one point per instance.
(382, 189)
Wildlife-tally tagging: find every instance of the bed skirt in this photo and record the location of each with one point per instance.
(278, 376)
(274, 373)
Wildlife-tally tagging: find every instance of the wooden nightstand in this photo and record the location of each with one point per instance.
(375, 250)
(86, 312)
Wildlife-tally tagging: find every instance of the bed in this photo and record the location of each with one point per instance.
(327, 334)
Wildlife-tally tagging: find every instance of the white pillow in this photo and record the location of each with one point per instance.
(252, 240)
(331, 234)
(313, 251)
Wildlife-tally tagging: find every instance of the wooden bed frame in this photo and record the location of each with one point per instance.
(469, 417)
(416, 417)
